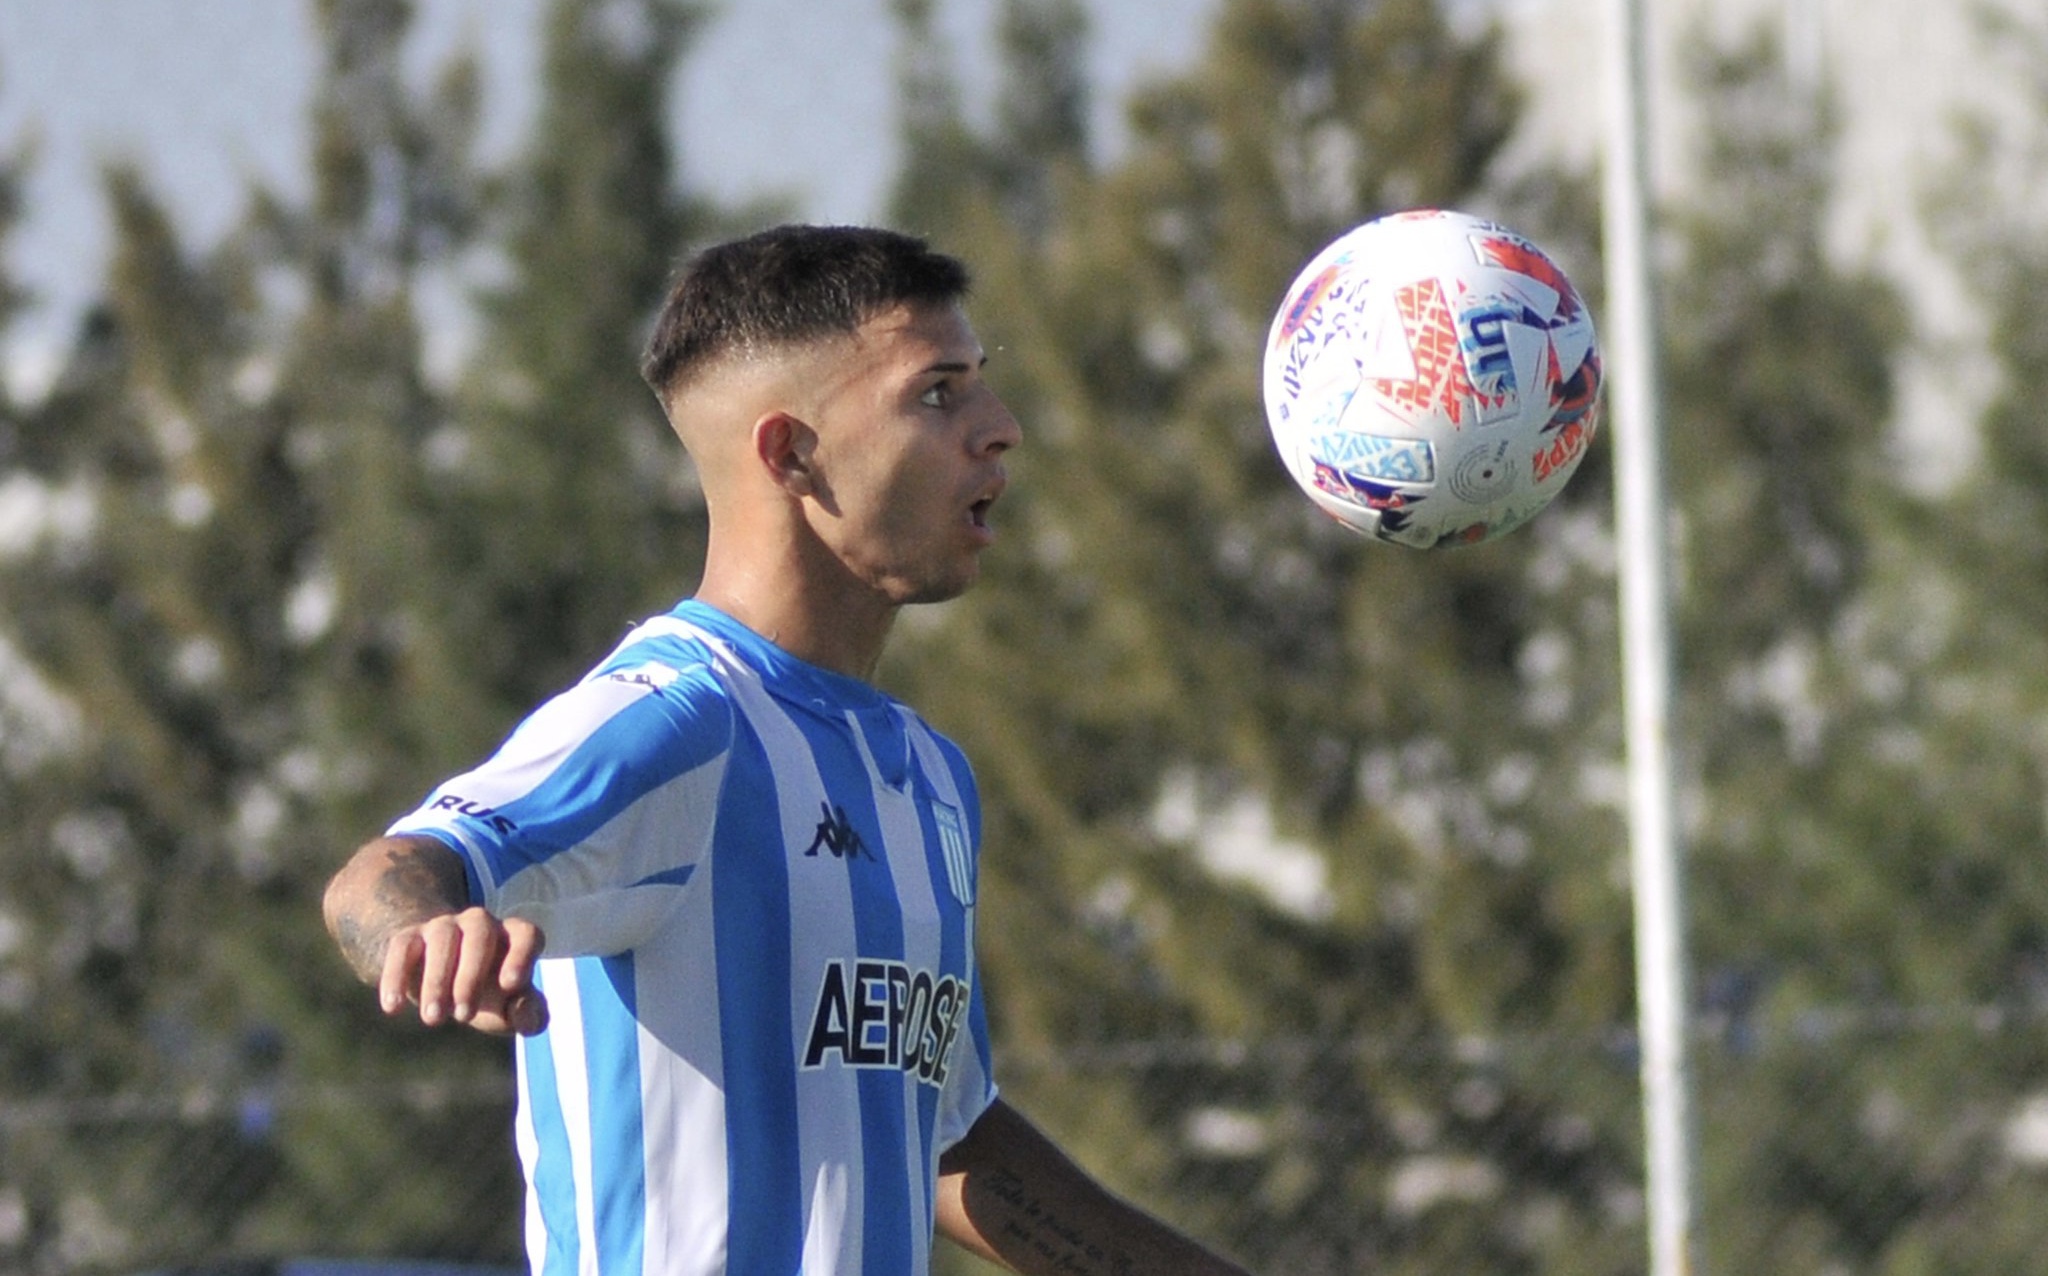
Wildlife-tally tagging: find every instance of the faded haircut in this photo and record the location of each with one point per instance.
(786, 286)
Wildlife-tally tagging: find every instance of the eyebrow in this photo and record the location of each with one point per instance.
(955, 365)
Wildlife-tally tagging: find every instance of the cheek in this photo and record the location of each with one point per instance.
(881, 503)
(903, 490)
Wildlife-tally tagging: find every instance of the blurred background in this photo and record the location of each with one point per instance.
(1307, 912)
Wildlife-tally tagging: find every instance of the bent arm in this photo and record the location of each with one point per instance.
(391, 883)
(400, 912)
(1009, 1195)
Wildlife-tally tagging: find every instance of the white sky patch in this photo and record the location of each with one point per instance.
(256, 379)
(1235, 839)
(259, 814)
(310, 610)
(1227, 1133)
(198, 662)
(33, 511)
(93, 842)
(1422, 1182)
(32, 365)
(189, 505)
(36, 721)
(2026, 1132)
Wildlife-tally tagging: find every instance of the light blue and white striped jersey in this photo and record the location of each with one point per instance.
(756, 880)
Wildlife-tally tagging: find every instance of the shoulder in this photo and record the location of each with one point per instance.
(673, 677)
(943, 758)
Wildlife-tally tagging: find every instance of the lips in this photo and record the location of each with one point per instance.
(977, 512)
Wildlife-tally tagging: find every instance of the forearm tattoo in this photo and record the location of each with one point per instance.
(417, 882)
(1055, 1244)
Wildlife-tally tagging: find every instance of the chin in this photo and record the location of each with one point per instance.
(940, 591)
(937, 593)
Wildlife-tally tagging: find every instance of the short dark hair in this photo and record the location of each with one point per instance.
(787, 285)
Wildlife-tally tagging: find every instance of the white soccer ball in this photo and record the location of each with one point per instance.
(1432, 379)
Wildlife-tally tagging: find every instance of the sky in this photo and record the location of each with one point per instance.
(790, 97)
(794, 98)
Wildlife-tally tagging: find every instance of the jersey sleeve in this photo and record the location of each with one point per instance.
(593, 815)
(970, 1082)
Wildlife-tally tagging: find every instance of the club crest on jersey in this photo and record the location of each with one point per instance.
(954, 847)
(883, 1014)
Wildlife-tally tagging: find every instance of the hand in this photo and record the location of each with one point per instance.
(399, 909)
(470, 967)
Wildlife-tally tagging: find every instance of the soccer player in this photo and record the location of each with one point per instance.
(756, 1043)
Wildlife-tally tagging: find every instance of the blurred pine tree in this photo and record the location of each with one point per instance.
(280, 615)
(1277, 818)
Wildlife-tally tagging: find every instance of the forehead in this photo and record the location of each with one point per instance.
(914, 336)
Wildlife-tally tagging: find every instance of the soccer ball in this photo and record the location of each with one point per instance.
(1432, 379)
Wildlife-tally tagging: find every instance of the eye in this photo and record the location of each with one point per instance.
(938, 396)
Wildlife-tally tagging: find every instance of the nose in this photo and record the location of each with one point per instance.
(1000, 431)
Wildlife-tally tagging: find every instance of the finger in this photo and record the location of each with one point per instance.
(525, 1013)
(478, 955)
(523, 945)
(397, 982)
(440, 948)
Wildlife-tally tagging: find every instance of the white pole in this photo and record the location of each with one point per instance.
(1643, 547)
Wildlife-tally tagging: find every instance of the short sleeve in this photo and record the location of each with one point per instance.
(594, 814)
(970, 1082)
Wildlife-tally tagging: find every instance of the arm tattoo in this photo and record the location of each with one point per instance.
(418, 881)
(1030, 1226)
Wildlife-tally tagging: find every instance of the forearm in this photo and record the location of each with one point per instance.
(1012, 1197)
(391, 883)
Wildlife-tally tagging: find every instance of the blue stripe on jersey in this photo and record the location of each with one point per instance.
(877, 933)
(963, 784)
(673, 650)
(626, 757)
(952, 945)
(750, 914)
(970, 797)
(553, 1176)
(618, 1171)
(677, 876)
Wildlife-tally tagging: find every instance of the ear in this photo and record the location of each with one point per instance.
(785, 446)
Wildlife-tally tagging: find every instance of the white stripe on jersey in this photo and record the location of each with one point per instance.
(914, 894)
(832, 1189)
(972, 1083)
(824, 1098)
(686, 1220)
(557, 979)
(529, 756)
(527, 1141)
(596, 896)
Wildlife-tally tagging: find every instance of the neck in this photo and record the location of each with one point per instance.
(838, 628)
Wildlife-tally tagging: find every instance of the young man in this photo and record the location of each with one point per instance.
(756, 1045)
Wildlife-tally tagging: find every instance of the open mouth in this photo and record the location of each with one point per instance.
(991, 492)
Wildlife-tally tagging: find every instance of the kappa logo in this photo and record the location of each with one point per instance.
(837, 836)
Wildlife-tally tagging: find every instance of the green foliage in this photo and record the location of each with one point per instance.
(1173, 661)
(1864, 916)
(282, 615)
(1306, 903)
